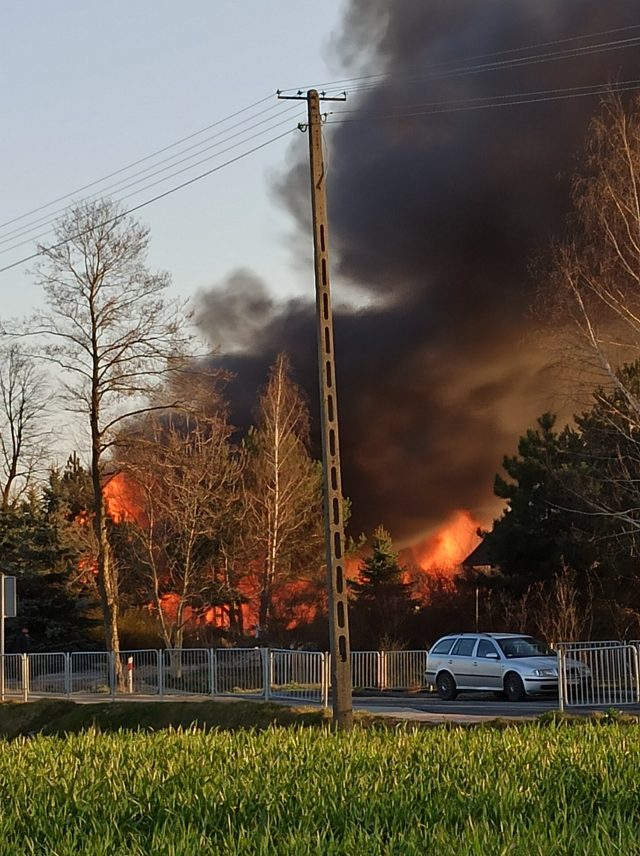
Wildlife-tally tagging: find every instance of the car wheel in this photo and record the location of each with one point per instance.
(513, 687)
(446, 686)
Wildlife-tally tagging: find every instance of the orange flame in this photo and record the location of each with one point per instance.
(445, 550)
(124, 500)
(298, 602)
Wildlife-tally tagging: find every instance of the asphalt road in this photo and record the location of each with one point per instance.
(466, 708)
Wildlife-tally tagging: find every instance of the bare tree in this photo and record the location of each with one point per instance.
(24, 401)
(189, 475)
(507, 612)
(282, 484)
(594, 287)
(595, 278)
(112, 334)
(564, 612)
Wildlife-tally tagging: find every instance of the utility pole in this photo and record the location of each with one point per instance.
(332, 480)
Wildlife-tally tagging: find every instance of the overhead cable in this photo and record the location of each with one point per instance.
(134, 208)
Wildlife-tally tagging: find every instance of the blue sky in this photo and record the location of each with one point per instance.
(91, 87)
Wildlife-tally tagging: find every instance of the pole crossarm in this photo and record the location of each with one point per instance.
(300, 96)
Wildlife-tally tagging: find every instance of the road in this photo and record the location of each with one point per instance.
(466, 708)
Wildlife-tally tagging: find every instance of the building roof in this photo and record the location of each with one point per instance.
(479, 558)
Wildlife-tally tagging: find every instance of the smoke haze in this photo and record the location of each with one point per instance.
(435, 218)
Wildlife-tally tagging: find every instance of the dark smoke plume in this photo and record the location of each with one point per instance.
(435, 218)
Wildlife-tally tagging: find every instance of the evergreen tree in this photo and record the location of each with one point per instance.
(538, 527)
(570, 502)
(39, 547)
(382, 607)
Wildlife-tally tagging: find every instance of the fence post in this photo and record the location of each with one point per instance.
(67, 674)
(213, 671)
(561, 672)
(25, 677)
(636, 676)
(112, 674)
(160, 653)
(130, 674)
(266, 673)
(382, 669)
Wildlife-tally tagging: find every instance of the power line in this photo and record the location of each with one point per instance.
(448, 69)
(372, 117)
(21, 231)
(136, 162)
(601, 89)
(520, 62)
(159, 196)
(27, 229)
(376, 80)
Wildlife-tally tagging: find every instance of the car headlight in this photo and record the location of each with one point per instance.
(545, 673)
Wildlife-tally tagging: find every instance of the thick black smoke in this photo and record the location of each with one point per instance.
(436, 219)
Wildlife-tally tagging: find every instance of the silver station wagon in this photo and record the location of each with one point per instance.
(510, 665)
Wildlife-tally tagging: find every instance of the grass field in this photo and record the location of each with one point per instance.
(531, 789)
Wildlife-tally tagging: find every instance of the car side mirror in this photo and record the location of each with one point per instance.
(492, 656)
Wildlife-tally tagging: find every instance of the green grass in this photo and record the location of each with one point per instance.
(59, 717)
(552, 788)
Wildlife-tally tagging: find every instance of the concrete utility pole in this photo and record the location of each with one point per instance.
(332, 480)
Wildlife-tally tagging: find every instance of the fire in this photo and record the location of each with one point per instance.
(352, 566)
(298, 602)
(124, 500)
(445, 550)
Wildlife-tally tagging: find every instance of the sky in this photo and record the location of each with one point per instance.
(92, 87)
(451, 176)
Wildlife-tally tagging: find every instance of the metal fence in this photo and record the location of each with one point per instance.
(366, 672)
(281, 674)
(185, 671)
(590, 674)
(389, 670)
(240, 672)
(299, 675)
(598, 674)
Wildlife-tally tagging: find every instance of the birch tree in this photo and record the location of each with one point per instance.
(283, 488)
(111, 333)
(24, 402)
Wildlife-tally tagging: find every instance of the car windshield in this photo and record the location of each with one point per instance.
(524, 646)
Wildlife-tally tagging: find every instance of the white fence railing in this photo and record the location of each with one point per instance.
(299, 675)
(240, 672)
(590, 674)
(598, 674)
(388, 670)
(281, 674)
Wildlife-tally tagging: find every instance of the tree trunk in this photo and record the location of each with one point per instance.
(107, 582)
(107, 576)
(265, 603)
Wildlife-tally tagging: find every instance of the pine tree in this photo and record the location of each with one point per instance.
(40, 547)
(383, 605)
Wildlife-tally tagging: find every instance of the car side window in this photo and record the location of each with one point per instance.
(485, 648)
(442, 647)
(464, 647)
